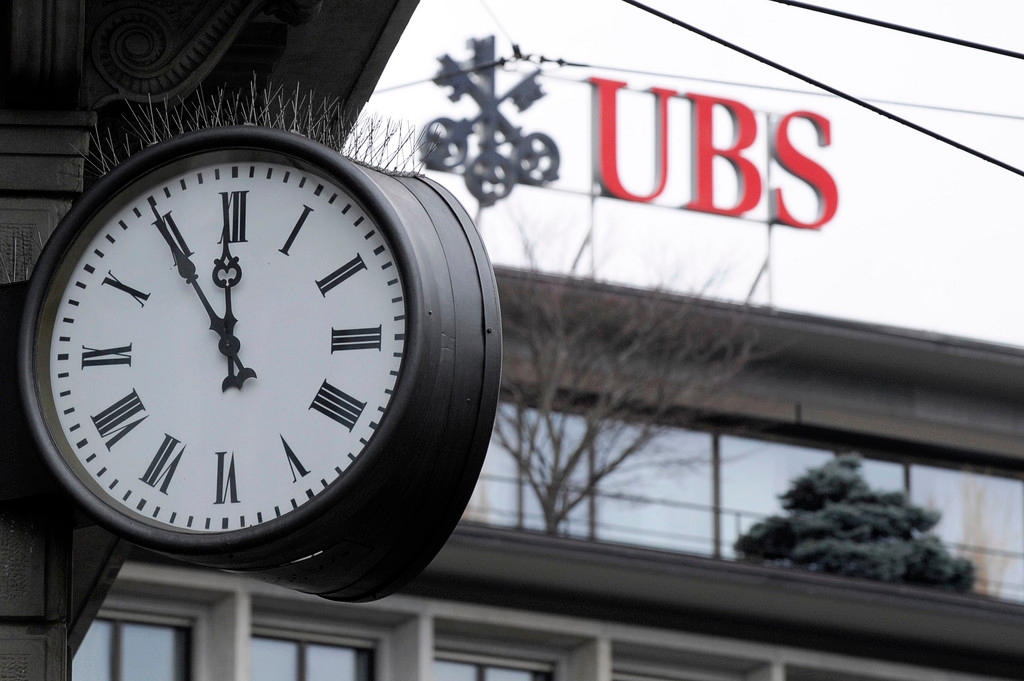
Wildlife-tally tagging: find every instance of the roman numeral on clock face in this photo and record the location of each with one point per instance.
(298, 470)
(355, 339)
(227, 487)
(114, 422)
(234, 215)
(306, 210)
(338, 405)
(341, 274)
(139, 296)
(91, 357)
(161, 468)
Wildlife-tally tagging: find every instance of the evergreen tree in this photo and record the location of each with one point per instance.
(837, 524)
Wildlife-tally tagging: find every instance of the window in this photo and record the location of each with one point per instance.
(754, 474)
(275, 659)
(117, 650)
(981, 520)
(661, 496)
(498, 670)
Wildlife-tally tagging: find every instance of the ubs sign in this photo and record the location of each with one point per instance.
(506, 156)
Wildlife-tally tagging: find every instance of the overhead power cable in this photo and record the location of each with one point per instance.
(827, 88)
(903, 29)
(501, 27)
(442, 76)
(769, 88)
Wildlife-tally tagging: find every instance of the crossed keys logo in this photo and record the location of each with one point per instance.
(505, 155)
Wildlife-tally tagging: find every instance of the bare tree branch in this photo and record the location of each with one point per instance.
(595, 375)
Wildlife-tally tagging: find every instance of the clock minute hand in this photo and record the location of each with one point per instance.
(228, 345)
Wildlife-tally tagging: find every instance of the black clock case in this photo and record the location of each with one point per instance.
(390, 513)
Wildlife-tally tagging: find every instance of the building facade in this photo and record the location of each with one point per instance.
(641, 583)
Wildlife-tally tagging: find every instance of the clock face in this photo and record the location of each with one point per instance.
(221, 341)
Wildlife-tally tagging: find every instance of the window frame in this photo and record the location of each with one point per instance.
(303, 639)
(118, 617)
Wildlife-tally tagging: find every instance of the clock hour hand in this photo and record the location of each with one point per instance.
(227, 272)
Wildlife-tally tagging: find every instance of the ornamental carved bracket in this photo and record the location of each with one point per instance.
(138, 50)
(71, 54)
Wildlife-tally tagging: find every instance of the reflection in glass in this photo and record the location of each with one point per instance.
(754, 474)
(454, 671)
(661, 496)
(330, 663)
(274, 660)
(152, 653)
(498, 674)
(885, 476)
(534, 435)
(495, 499)
(982, 519)
(92, 661)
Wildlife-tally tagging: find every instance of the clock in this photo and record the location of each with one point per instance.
(242, 350)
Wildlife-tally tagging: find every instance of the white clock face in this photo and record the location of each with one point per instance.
(207, 384)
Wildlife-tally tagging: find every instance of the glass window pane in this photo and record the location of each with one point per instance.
(454, 671)
(92, 661)
(495, 499)
(661, 496)
(538, 438)
(330, 663)
(981, 519)
(152, 653)
(883, 475)
(754, 474)
(499, 674)
(274, 660)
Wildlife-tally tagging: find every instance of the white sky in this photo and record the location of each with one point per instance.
(926, 236)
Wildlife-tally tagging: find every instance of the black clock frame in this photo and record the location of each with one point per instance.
(386, 517)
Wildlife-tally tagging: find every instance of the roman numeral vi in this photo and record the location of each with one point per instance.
(227, 487)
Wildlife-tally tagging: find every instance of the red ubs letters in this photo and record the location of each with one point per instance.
(704, 152)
